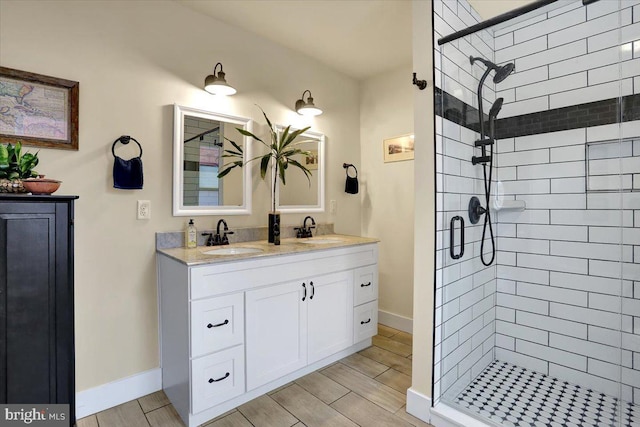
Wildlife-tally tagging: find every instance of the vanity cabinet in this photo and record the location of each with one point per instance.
(233, 330)
(36, 301)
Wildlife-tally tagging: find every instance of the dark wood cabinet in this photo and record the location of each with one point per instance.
(36, 300)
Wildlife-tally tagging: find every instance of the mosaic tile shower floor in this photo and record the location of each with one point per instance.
(514, 396)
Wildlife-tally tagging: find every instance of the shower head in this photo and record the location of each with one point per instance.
(501, 72)
(495, 108)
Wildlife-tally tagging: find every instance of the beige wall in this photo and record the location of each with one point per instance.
(424, 201)
(387, 190)
(134, 60)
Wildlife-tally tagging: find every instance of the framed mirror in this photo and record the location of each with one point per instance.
(199, 141)
(299, 195)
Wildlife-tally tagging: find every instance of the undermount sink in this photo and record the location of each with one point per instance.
(233, 251)
(321, 241)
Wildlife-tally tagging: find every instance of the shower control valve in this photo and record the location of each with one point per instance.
(475, 210)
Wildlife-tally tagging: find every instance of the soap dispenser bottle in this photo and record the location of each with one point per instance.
(191, 235)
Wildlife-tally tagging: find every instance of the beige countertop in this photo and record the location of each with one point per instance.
(197, 256)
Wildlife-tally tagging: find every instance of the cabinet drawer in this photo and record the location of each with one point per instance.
(217, 323)
(365, 321)
(365, 284)
(217, 378)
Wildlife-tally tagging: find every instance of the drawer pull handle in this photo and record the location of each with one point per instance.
(363, 322)
(304, 286)
(313, 290)
(219, 324)
(362, 285)
(211, 380)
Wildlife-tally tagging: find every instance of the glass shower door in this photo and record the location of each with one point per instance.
(465, 287)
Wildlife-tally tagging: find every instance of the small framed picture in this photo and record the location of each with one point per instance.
(398, 148)
(38, 110)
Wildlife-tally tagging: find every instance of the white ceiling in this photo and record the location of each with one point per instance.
(360, 38)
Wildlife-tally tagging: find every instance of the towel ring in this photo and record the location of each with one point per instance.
(124, 140)
(349, 165)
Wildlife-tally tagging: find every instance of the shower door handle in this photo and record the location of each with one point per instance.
(452, 231)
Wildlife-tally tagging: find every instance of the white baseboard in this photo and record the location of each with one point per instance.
(419, 405)
(395, 321)
(112, 394)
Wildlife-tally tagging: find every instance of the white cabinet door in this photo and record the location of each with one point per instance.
(276, 331)
(330, 314)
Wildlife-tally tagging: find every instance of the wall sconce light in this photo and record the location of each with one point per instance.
(306, 108)
(215, 84)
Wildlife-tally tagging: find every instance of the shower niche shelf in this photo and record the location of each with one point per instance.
(606, 159)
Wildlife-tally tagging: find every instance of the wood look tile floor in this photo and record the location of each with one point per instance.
(366, 389)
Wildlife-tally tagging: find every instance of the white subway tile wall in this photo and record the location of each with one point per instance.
(567, 293)
(579, 247)
(569, 265)
(577, 54)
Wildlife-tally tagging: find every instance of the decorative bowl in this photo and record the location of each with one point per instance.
(41, 185)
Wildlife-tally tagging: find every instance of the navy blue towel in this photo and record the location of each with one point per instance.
(127, 174)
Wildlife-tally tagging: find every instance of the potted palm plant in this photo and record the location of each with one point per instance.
(282, 148)
(16, 166)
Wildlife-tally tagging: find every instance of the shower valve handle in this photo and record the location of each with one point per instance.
(475, 210)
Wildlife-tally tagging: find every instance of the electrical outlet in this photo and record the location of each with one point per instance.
(144, 209)
(333, 207)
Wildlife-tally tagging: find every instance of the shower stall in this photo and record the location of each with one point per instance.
(537, 287)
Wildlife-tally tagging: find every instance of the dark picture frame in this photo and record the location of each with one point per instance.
(38, 110)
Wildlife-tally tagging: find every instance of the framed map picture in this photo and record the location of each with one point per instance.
(38, 110)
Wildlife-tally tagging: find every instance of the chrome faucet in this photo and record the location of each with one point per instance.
(305, 231)
(217, 239)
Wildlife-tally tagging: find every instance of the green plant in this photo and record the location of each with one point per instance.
(282, 149)
(16, 165)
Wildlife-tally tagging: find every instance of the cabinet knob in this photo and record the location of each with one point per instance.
(304, 286)
(313, 290)
(362, 285)
(218, 324)
(211, 380)
(363, 322)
